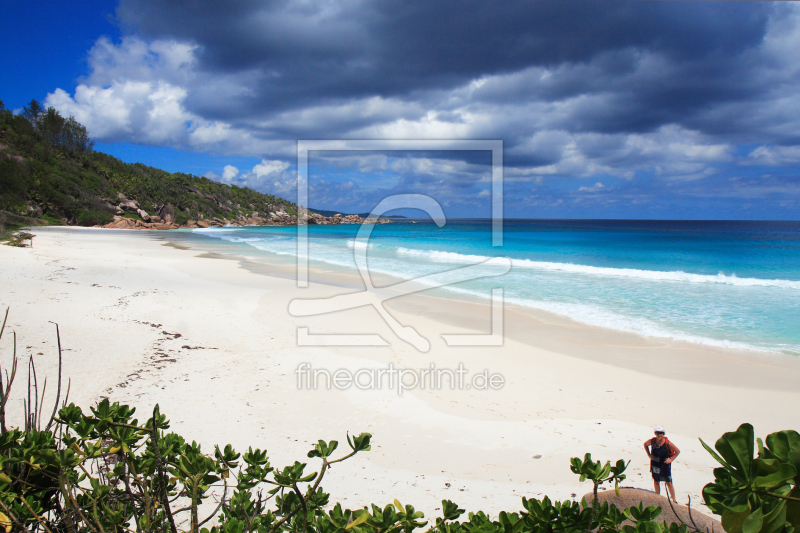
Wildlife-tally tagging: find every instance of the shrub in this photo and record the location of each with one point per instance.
(181, 217)
(104, 471)
(94, 217)
(51, 220)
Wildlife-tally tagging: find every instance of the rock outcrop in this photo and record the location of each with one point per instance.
(167, 214)
(131, 206)
(338, 218)
(630, 497)
(142, 213)
(166, 217)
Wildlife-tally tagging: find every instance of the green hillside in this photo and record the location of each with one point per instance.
(50, 174)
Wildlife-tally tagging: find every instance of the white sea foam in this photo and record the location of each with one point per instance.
(586, 313)
(212, 231)
(650, 275)
(357, 244)
(595, 316)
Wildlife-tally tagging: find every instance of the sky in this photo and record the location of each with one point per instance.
(606, 109)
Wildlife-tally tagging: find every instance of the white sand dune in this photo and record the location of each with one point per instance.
(212, 342)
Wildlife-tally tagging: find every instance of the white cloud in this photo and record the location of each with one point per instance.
(265, 168)
(229, 172)
(597, 187)
(774, 156)
(143, 112)
(137, 92)
(136, 59)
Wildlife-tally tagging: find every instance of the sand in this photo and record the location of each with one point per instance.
(210, 339)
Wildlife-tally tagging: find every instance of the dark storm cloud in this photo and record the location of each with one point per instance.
(311, 53)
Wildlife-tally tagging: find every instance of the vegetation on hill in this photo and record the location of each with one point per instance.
(104, 471)
(50, 172)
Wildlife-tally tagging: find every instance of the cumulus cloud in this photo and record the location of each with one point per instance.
(265, 168)
(269, 176)
(229, 172)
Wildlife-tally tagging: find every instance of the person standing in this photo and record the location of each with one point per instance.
(662, 454)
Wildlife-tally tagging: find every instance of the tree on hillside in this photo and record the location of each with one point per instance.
(32, 111)
(66, 134)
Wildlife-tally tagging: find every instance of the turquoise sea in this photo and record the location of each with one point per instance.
(731, 284)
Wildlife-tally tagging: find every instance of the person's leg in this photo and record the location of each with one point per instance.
(671, 490)
(657, 486)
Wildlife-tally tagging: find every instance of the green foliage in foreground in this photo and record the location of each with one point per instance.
(47, 162)
(756, 494)
(104, 470)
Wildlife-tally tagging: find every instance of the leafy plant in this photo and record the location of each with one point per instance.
(104, 471)
(93, 217)
(598, 473)
(756, 494)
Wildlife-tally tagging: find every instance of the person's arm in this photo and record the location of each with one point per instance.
(674, 449)
(647, 444)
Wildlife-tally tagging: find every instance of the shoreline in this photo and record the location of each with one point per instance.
(525, 319)
(121, 297)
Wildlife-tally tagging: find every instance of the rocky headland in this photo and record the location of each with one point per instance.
(130, 215)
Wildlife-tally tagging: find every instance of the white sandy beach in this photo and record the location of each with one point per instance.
(121, 297)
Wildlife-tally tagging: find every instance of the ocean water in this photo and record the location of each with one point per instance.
(733, 284)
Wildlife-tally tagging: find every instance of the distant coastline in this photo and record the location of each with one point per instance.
(329, 213)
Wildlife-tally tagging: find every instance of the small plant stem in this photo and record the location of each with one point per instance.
(195, 481)
(97, 518)
(68, 497)
(32, 365)
(221, 503)
(58, 391)
(326, 465)
(129, 492)
(160, 469)
(11, 516)
(38, 518)
(782, 497)
(280, 522)
(691, 518)
(303, 503)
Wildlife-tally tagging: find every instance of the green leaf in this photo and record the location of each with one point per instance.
(776, 479)
(793, 509)
(752, 524)
(732, 522)
(781, 442)
(362, 517)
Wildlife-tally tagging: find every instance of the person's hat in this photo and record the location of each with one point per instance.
(659, 428)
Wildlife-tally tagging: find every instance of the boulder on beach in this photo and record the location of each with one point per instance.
(630, 497)
(167, 214)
